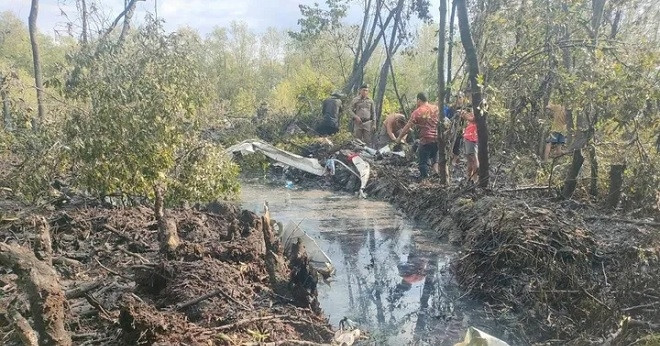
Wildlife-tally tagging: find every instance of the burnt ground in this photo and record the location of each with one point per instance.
(549, 271)
(121, 289)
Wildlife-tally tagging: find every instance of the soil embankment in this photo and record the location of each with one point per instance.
(549, 271)
(228, 282)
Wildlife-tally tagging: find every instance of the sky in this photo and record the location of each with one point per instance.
(202, 15)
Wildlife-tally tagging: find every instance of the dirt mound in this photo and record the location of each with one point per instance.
(227, 283)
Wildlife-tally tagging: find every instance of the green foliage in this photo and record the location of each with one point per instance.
(37, 159)
(143, 95)
(202, 174)
(315, 20)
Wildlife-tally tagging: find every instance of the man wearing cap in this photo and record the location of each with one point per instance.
(425, 117)
(363, 111)
(331, 110)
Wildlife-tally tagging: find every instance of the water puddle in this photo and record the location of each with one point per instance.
(390, 276)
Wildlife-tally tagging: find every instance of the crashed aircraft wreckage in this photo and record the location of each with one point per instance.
(305, 164)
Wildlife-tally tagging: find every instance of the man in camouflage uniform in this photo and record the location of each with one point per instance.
(363, 112)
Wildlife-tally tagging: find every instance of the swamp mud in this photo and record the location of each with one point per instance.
(543, 270)
(111, 282)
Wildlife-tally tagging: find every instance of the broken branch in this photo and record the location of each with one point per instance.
(40, 282)
(80, 291)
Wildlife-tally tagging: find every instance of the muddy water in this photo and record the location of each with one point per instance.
(391, 277)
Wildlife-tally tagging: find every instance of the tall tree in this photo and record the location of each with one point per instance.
(442, 140)
(477, 99)
(6, 113)
(83, 10)
(32, 24)
(130, 10)
(369, 46)
(450, 48)
(390, 50)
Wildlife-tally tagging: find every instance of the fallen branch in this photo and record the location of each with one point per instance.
(112, 271)
(250, 320)
(61, 260)
(25, 332)
(95, 303)
(144, 260)
(285, 342)
(117, 232)
(40, 283)
(80, 291)
(208, 296)
(527, 188)
(198, 299)
(614, 219)
(650, 305)
(596, 299)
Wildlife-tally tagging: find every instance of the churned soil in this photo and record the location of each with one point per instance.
(229, 281)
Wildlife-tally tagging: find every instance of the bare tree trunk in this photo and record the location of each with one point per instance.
(365, 21)
(593, 163)
(32, 24)
(39, 281)
(616, 182)
(615, 24)
(83, 4)
(6, 110)
(598, 8)
(127, 21)
(568, 65)
(570, 127)
(167, 231)
(385, 69)
(113, 25)
(571, 177)
(442, 139)
(479, 114)
(370, 47)
(519, 21)
(451, 50)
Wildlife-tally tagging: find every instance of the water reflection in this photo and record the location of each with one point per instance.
(388, 272)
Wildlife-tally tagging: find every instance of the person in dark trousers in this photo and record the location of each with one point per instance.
(426, 118)
(331, 110)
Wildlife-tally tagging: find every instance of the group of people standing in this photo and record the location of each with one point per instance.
(395, 128)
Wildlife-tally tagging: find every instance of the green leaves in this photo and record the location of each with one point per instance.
(144, 95)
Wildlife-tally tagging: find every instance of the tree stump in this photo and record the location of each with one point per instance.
(43, 246)
(616, 182)
(167, 231)
(571, 178)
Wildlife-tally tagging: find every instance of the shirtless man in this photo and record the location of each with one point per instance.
(391, 129)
